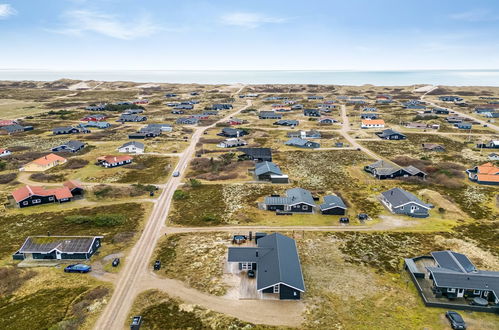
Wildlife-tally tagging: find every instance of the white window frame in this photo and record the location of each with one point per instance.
(451, 290)
(25, 203)
(476, 292)
(305, 207)
(246, 266)
(51, 198)
(36, 201)
(275, 288)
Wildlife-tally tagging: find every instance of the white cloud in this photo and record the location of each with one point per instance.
(476, 15)
(249, 20)
(79, 22)
(6, 10)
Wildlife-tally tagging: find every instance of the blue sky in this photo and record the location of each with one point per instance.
(239, 35)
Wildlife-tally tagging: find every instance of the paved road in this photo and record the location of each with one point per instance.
(126, 288)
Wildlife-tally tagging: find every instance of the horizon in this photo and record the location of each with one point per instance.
(195, 35)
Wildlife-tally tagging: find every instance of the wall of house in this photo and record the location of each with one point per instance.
(275, 207)
(286, 292)
(40, 256)
(406, 209)
(43, 200)
(302, 207)
(335, 211)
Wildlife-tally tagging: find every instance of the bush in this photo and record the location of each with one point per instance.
(194, 183)
(75, 163)
(47, 177)
(100, 220)
(180, 194)
(6, 178)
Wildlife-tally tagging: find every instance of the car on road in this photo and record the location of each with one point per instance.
(157, 265)
(78, 268)
(116, 262)
(251, 273)
(176, 174)
(456, 321)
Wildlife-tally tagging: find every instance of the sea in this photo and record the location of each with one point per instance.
(357, 78)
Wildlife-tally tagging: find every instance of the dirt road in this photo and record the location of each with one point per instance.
(128, 283)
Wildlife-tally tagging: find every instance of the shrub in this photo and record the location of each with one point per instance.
(75, 163)
(180, 194)
(43, 177)
(6, 178)
(100, 220)
(194, 183)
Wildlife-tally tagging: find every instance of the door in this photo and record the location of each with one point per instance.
(460, 293)
(58, 255)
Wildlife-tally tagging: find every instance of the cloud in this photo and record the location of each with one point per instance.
(6, 10)
(476, 15)
(79, 22)
(250, 20)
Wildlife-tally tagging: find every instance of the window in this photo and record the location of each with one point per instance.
(476, 291)
(246, 266)
(276, 288)
(451, 290)
(305, 207)
(37, 201)
(51, 198)
(25, 203)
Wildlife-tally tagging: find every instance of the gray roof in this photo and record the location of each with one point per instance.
(73, 144)
(267, 167)
(46, 244)
(332, 201)
(398, 197)
(296, 142)
(388, 132)
(133, 143)
(257, 152)
(277, 261)
(293, 196)
(455, 270)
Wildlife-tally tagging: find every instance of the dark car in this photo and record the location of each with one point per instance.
(116, 262)
(157, 265)
(136, 322)
(344, 220)
(78, 268)
(456, 321)
(251, 273)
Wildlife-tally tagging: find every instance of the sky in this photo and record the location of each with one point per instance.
(249, 35)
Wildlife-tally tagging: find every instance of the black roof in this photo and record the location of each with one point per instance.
(64, 244)
(277, 261)
(257, 152)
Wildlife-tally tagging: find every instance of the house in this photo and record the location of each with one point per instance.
(297, 107)
(69, 130)
(333, 205)
(493, 156)
(170, 95)
(372, 123)
(369, 109)
(96, 117)
(7, 122)
(113, 161)
(440, 111)
(129, 117)
(269, 115)
(232, 132)
(187, 121)
(268, 171)
(301, 143)
(98, 124)
(34, 195)
(132, 147)
(4, 152)
(221, 106)
(492, 144)
(311, 112)
(433, 147)
(327, 121)
(287, 122)
(315, 97)
(450, 98)
(98, 107)
(453, 276)
(463, 125)
(149, 131)
(296, 200)
(369, 116)
(11, 129)
(255, 154)
(399, 201)
(276, 263)
(58, 248)
(232, 143)
(312, 134)
(141, 101)
(235, 121)
(382, 169)
(210, 113)
(43, 163)
(159, 127)
(389, 134)
(178, 112)
(133, 111)
(184, 107)
(416, 125)
(486, 173)
(71, 146)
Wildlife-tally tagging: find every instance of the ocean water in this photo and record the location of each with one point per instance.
(383, 78)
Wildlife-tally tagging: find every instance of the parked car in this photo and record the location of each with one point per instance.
(344, 220)
(176, 173)
(251, 273)
(157, 265)
(116, 262)
(456, 321)
(78, 268)
(136, 322)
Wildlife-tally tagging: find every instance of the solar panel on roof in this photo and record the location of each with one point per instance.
(464, 261)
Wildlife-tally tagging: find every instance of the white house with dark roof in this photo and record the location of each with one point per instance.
(268, 171)
(400, 201)
(132, 147)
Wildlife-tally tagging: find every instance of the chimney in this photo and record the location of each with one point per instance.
(257, 253)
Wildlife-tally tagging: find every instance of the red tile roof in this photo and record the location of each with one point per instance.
(22, 193)
(50, 158)
(114, 159)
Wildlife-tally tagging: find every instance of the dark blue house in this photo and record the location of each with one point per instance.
(59, 247)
